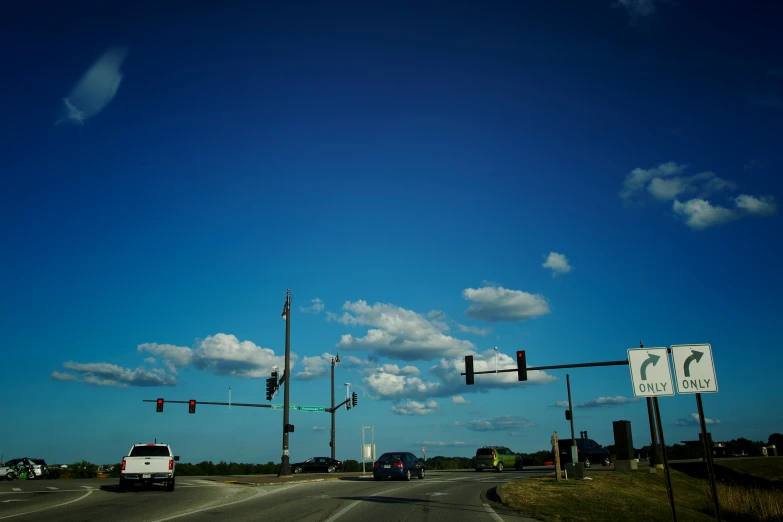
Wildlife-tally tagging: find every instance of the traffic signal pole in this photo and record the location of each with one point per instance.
(285, 465)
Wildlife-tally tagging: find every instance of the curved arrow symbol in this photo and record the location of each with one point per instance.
(695, 356)
(651, 359)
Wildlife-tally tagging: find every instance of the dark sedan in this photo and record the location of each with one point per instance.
(398, 465)
(318, 465)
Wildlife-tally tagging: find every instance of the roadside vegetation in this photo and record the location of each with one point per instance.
(748, 491)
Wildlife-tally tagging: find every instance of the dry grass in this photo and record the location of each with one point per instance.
(610, 496)
(741, 504)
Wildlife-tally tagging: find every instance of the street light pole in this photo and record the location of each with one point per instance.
(335, 360)
(285, 464)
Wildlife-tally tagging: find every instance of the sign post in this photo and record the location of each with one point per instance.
(695, 371)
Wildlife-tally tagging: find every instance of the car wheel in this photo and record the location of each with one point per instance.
(330, 469)
(170, 485)
(298, 469)
(11, 475)
(123, 487)
(421, 474)
(587, 462)
(500, 467)
(519, 466)
(607, 462)
(377, 478)
(478, 469)
(408, 475)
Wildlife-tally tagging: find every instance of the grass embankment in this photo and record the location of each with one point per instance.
(748, 492)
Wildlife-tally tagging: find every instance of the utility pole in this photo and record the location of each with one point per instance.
(574, 455)
(656, 458)
(285, 464)
(335, 360)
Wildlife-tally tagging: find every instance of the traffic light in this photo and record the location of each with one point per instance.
(568, 414)
(275, 376)
(521, 365)
(354, 399)
(270, 388)
(289, 428)
(192, 406)
(159, 407)
(468, 369)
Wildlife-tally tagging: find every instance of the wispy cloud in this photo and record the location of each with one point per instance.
(495, 304)
(315, 307)
(600, 402)
(441, 444)
(96, 88)
(558, 263)
(106, 374)
(319, 428)
(502, 423)
(638, 10)
(693, 420)
(700, 214)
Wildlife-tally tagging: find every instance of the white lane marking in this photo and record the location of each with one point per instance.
(354, 504)
(88, 487)
(436, 494)
(17, 489)
(261, 493)
(86, 494)
(51, 487)
(14, 500)
(492, 513)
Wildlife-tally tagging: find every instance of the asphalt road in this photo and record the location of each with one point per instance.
(461, 496)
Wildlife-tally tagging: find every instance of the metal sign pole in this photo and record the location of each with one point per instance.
(708, 456)
(665, 459)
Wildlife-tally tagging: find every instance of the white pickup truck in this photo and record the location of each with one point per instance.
(148, 463)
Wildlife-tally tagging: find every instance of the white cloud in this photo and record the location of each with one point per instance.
(315, 367)
(502, 423)
(757, 206)
(700, 213)
(396, 370)
(558, 263)
(638, 178)
(315, 307)
(473, 329)
(495, 304)
(96, 88)
(693, 420)
(384, 385)
(150, 360)
(221, 354)
(459, 399)
(398, 333)
(605, 402)
(415, 408)
(561, 404)
(106, 374)
(319, 428)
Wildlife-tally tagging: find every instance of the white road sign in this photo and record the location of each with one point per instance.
(650, 372)
(694, 368)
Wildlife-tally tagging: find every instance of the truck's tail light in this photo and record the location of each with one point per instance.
(171, 464)
(123, 464)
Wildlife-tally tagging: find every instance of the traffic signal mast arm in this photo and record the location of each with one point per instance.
(338, 406)
(522, 367)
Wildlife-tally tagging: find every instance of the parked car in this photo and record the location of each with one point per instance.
(318, 465)
(497, 457)
(398, 465)
(39, 465)
(587, 450)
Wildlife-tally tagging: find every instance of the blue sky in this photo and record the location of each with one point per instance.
(430, 180)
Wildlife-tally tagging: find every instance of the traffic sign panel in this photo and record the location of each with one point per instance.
(311, 408)
(694, 368)
(650, 372)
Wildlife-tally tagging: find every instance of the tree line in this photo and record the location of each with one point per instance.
(86, 469)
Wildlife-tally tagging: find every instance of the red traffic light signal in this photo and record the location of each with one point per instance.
(192, 406)
(521, 365)
(159, 406)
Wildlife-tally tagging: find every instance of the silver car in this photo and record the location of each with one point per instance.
(39, 465)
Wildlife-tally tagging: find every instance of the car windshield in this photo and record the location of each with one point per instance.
(484, 451)
(13, 462)
(40, 462)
